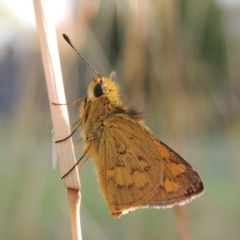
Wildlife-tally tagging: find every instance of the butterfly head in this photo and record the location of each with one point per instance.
(103, 87)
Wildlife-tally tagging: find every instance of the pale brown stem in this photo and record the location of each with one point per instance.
(65, 150)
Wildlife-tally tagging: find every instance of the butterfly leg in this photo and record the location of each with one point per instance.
(68, 136)
(84, 154)
(68, 103)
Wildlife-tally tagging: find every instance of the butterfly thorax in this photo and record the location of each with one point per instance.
(96, 109)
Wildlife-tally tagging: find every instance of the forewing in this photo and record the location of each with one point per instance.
(137, 170)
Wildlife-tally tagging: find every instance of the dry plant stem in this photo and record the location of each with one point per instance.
(171, 17)
(74, 198)
(50, 56)
(182, 226)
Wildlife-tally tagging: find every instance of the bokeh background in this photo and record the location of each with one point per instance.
(177, 62)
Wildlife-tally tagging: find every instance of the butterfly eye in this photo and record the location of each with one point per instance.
(98, 90)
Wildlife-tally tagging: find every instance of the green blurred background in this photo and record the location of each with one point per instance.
(177, 62)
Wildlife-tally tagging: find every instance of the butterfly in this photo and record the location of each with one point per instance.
(134, 168)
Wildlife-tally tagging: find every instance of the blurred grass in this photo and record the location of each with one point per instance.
(174, 62)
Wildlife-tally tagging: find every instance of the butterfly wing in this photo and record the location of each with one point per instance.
(137, 170)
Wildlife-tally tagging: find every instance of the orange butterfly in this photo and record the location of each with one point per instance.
(134, 168)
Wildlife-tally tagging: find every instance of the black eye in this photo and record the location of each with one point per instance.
(98, 90)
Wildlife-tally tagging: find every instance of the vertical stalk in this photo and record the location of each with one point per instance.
(65, 150)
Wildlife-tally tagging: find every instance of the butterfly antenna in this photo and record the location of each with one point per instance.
(84, 59)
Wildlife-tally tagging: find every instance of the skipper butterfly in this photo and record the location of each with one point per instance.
(135, 169)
